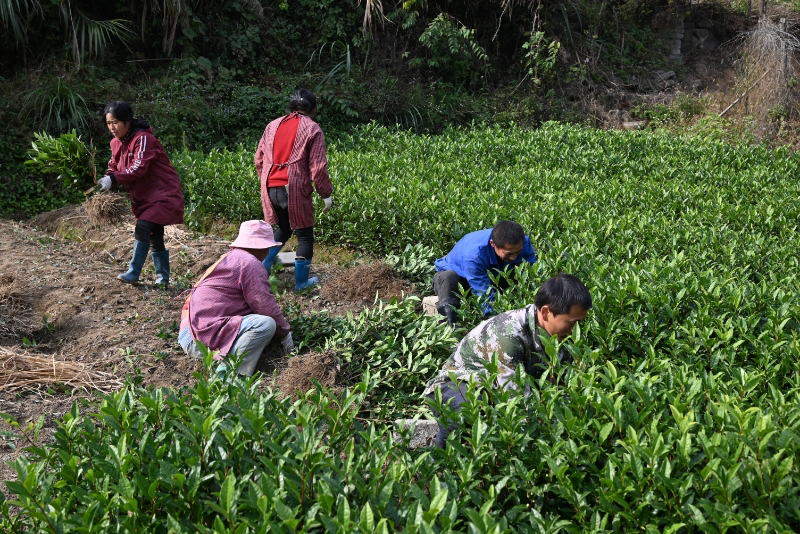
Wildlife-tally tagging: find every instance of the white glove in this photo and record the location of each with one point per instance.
(328, 203)
(287, 343)
(104, 183)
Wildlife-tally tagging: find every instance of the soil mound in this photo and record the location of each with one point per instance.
(363, 282)
(323, 367)
(104, 222)
(50, 221)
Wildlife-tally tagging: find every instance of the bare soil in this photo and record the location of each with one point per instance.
(58, 276)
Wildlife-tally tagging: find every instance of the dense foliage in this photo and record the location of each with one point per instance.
(211, 73)
(681, 413)
(655, 448)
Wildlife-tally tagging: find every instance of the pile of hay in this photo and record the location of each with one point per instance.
(24, 371)
(105, 208)
(16, 317)
(296, 379)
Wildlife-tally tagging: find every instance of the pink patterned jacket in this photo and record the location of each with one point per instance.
(307, 164)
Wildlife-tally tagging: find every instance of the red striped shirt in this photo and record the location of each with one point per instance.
(282, 150)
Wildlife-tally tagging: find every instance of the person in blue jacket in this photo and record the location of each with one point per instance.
(474, 257)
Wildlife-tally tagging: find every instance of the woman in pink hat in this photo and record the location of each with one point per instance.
(231, 309)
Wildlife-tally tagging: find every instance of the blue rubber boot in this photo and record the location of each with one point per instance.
(135, 266)
(161, 264)
(269, 261)
(301, 279)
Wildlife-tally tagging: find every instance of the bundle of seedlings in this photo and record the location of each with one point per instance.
(21, 370)
(105, 208)
(296, 379)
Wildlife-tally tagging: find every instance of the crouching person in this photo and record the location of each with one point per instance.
(559, 304)
(231, 309)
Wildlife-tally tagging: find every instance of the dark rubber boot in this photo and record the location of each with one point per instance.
(135, 266)
(161, 264)
(449, 309)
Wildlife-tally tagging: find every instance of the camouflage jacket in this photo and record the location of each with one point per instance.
(513, 335)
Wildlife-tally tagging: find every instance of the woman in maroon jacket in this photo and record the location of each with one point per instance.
(140, 165)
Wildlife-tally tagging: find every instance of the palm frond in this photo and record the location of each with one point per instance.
(88, 35)
(372, 7)
(15, 14)
(95, 35)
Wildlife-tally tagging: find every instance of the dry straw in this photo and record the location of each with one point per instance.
(768, 71)
(16, 319)
(23, 371)
(105, 208)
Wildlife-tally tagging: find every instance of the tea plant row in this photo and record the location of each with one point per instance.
(681, 413)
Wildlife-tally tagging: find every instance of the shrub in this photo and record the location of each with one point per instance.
(56, 107)
(65, 157)
(24, 193)
(452, 50)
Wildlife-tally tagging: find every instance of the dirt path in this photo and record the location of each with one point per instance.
(59, 272)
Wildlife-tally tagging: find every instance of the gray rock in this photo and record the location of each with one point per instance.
(429, 305)
(287, 259)
(424, 431)
(634, 125)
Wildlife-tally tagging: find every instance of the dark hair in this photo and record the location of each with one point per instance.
(507, 233)
(302, 100)
(561, 293)
(120, 110)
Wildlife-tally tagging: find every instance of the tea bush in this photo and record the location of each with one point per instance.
(680, 414)
(218, 185)
(657, 448)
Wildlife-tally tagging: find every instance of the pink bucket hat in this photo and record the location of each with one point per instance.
(255, 234)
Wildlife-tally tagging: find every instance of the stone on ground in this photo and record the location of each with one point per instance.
(424, 432)
(429, 305)
(287, 259)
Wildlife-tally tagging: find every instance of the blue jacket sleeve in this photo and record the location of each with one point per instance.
(528, 254)
(477, 276)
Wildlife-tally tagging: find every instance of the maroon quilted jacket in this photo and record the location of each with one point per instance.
(140, 164)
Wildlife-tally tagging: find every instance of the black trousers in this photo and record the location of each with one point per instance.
(453, 396)
(279, 198)
(447, 286)
(151, 233)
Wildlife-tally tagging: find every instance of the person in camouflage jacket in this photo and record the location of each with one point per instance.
(559, 304)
